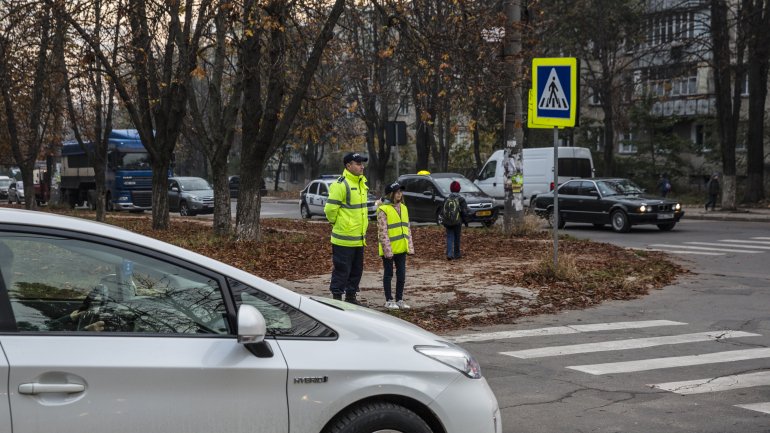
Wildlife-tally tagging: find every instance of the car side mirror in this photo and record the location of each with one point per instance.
(325, 193)
(252, 330)
(175, 189)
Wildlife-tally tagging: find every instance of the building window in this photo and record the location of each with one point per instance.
(626, 143)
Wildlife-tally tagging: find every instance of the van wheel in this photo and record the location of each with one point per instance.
(620, 221)
(378, 417)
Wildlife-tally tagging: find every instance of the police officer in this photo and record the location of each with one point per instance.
(347, 212)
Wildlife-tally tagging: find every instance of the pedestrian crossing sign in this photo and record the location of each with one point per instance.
(555, 84)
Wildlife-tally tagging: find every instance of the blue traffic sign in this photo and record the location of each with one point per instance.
(555, 82)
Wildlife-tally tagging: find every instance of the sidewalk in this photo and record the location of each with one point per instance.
(741, 214)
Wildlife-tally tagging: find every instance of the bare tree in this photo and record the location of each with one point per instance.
(758, 41)
(215, 102)
(163, 44)
(30, 95)
(267, 117)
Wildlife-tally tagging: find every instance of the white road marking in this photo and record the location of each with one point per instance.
(745, 241)
(700, 253)
(758, 407)
(562, 330)
(761, 238)
(726, 250)
(675, 361)
(634, 343)
(716, 384)
(756, 247)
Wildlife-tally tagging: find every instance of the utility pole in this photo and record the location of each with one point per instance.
(514, 135)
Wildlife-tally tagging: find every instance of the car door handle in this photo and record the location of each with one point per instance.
(41, 388)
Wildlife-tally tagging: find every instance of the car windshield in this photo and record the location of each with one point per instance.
(618, 187)
(466, 186)
(194, 184)
(4, 183)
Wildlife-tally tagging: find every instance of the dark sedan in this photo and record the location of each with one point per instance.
(424, 196)
(618, 202)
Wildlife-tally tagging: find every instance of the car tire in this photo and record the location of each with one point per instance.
(184, 210)
(489, 223)
(666, 226)
(561, 222)
(378, 416)
(620, 221)
(305, 211)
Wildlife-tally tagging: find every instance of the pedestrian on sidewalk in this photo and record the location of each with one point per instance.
(346, 210)
(395, 242)
(453, 214)
(664, 185)
(712, 187)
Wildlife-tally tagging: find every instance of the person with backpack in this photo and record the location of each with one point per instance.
(664, 185)
(453, 216)
(395, 239)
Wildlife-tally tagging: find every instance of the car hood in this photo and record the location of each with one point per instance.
(641, 199)
(200, 192)
(476, 197)
(365, 323)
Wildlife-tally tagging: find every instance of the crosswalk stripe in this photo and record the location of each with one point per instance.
(758, 407)
(716, 384)
(634, 343)
(741, 241)
(758, 247)
(670, 362)
(700, 253)
(705, 248)
(562, 330)
(761, 238)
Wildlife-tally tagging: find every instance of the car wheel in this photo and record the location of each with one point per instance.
(439, 217)
(378, 417)
(489, 223)
(305, 211)
(620, 221)
(184, 210)
(561, 222)
(666, 227)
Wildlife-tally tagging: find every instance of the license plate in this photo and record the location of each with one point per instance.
(665, 216)
(486, 213)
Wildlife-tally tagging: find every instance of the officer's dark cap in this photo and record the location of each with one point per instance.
(354, 156)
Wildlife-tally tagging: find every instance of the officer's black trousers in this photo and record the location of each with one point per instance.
(348, 268)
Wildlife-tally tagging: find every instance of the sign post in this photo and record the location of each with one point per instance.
(554, 102)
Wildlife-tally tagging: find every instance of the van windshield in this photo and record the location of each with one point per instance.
(575, 167)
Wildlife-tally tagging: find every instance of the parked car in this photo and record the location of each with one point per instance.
(16, 192)
(5, 182)
(235, 185)
(314, 195)
(424, 196)
(122, 331)
(619, 202)
(190, 196)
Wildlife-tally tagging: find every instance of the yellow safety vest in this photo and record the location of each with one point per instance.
(346, 210)
(398, 229)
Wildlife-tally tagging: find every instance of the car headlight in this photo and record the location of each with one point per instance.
(194, 198)
(453, 356)
(642, 208)
(677, 206)
(123, 198)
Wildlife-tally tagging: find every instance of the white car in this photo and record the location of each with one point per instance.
(103, 329)
(314, 195)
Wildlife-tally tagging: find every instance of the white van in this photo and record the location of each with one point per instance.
(574, 162)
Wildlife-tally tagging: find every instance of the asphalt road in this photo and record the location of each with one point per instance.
(692, 357)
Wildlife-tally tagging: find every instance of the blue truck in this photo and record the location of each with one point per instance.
(128, 175)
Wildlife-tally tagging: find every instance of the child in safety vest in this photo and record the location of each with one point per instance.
(395, 242)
